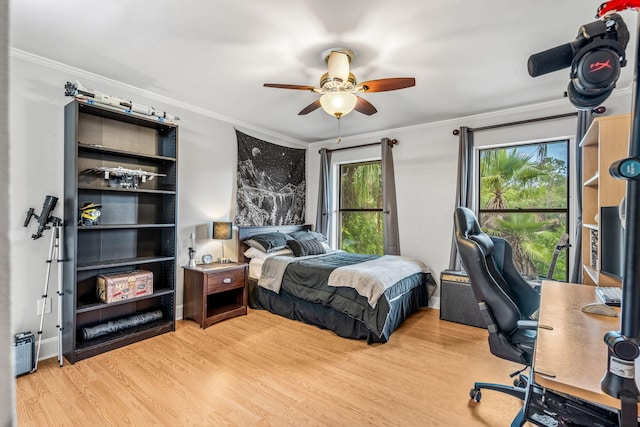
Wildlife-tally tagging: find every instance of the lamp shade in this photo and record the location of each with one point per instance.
(222, 230)
(338, 104)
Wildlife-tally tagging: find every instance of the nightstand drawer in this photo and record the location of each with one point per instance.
(225, 280)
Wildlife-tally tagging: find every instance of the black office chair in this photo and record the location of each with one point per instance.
(507, 302)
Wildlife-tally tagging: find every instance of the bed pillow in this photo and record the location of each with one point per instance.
(257, 253)
(308, 235)
(268, 242)
(306, 247)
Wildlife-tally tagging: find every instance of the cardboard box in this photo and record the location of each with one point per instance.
(123, 286)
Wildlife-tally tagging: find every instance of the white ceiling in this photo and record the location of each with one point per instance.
(468, 57)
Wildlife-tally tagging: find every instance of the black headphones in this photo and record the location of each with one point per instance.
(594, 71)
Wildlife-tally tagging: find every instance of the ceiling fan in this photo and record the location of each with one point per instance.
(339, 87)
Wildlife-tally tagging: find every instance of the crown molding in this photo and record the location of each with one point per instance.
(559, 105)
(83, 74)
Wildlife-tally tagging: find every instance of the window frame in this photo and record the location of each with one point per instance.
(567, 211)
(339, 208)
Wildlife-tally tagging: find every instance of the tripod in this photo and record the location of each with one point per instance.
(55, 254)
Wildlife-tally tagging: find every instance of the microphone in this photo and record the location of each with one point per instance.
(612, 28)
(553, 59)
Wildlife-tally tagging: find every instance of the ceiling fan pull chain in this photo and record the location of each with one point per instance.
(339, 130)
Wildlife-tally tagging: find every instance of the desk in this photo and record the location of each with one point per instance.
(574, 350)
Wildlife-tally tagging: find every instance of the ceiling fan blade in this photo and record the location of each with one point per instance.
(284, 86)
(365, 107)
(309, 108)
(383, 85)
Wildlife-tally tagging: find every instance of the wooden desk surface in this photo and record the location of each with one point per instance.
(574, 350)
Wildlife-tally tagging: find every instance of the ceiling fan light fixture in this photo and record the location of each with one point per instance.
(338, 104)
(338, 87)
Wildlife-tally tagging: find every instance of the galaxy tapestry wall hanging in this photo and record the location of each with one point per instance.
(271, 183)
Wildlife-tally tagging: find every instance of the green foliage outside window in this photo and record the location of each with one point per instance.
(532, 178)
(361, 224)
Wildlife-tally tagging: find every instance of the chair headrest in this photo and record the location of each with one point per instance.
(472, 231)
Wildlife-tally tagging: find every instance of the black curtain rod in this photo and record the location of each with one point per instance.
(598, 110)
(393, 142)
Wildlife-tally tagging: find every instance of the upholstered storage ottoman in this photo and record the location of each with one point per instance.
(457, 303)
(122, 286)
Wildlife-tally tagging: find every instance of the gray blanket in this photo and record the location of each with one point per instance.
(369, 278)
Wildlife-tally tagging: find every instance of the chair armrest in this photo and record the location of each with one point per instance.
(527, 324)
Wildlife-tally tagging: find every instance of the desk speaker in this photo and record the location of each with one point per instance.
(457, 303)
(24, 352)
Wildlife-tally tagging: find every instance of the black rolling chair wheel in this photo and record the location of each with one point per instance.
(475, 394)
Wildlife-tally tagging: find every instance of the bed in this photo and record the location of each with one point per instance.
(330, 289)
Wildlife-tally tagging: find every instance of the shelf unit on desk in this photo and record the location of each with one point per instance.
(606, 141)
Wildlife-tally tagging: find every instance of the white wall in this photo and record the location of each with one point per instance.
(425, 160)
(206, 177)
(7, 385)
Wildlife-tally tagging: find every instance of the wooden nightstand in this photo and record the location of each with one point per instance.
(215, 292)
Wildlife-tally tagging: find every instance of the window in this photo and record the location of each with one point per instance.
(360, 208)
(524, 197)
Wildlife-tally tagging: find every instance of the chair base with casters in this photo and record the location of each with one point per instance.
(515, 391)
(503, 348)
(476, 393)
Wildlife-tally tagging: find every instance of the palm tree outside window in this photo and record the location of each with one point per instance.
(524, 197)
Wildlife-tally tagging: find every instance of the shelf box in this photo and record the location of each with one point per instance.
(86, 349)
(123, 153)
(109, 129)
(131, 208)
(115, 244)
(163, 274)
(88, 162)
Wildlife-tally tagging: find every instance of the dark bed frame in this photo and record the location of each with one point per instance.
(319, 315)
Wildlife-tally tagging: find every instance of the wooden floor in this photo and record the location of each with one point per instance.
(262, 369)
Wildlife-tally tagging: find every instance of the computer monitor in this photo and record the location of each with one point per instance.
(611, 242)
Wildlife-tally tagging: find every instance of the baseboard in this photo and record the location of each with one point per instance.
(434, 302)
(48, 348)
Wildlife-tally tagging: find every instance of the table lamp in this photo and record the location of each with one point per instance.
(222, 231)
